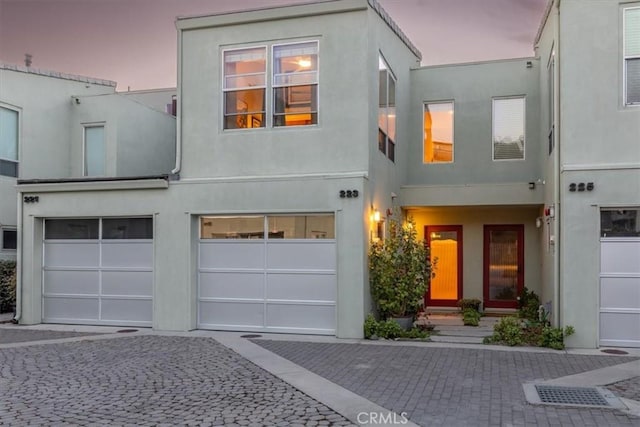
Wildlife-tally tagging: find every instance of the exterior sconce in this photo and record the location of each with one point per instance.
(529, 64)
(375, 217)
(539, 222)
(532, 185)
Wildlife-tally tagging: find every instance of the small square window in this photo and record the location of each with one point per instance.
(9, 239)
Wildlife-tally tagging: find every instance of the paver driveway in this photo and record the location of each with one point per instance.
(147, 380)
(452, 386)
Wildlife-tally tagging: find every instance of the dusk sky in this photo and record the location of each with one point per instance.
(133, 42)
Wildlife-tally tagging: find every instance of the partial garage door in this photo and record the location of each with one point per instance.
(268, 274)
(98, 271)
(620, 278)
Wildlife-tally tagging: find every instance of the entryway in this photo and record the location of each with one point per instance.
(445, 243)
(503, 265)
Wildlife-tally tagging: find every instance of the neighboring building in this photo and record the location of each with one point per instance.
(294, 149)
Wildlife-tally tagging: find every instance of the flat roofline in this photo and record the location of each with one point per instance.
(57, 75)
(488, 61)
(543, 22)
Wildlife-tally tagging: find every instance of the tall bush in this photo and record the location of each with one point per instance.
(7, 286)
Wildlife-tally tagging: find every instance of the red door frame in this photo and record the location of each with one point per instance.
(519, 229)
(427, 235)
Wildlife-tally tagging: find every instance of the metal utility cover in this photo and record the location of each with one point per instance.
(598, 397)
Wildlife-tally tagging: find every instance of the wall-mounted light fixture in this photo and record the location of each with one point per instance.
(532, 185)
(376, 217)
(539, 222)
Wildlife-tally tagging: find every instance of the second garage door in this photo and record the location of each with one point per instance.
(268, 273)
(98, 271)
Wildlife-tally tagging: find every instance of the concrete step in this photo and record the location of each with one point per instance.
(464, 331)
(453, 339)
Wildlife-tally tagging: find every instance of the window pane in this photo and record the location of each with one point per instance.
(295, 58)
(438, 132)
(239, 227)
(251, 80)
(302, 227)
(94, 151)
(8, 168)
(71, 229)
(620, 223)
(295, 105)
(503, 265)
(632, 32)
(9, 239)
(244, 62)
(633, 81)
(508, 129)
(242, 107)
(127, 228)
(8, 134)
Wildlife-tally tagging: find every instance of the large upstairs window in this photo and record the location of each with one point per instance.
(94, 151)
(295, 84)
(508, 128)
(292, 78)
(438, 132)
(8, 142)
(632, 56)
(386, 109)
(244, 87)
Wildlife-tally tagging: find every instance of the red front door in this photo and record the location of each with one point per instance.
(503, 265)
(445, 243)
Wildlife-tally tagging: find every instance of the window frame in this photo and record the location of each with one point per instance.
(625, 58)
(86, 126)
(2, 237)
(388, 146)
(18, 112)
(453, 130)
(524, 127)
(269, 86)
(551, 104)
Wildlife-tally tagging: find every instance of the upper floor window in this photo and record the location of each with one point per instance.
(94, 151)
(386, 110)
(508, 128)
(8, 142)
(438, 132)
(632, 55)
(294, 84)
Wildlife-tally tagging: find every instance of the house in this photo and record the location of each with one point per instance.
(294, 150)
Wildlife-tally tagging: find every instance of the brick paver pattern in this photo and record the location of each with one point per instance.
(453, 386)
(25, 335)
(147, 380)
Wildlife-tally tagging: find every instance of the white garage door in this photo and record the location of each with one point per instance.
(268, 274)
(620, 278)
(98, 271)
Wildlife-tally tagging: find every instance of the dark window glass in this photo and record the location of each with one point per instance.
(127, 228)
(71, 229)
(9, 239)
(620, 223)
(8, 168)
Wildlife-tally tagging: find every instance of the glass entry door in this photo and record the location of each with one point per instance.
(503, 265)
(445, 242)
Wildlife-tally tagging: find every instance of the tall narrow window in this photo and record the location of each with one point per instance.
(632, 55)
(244, 88)
(94, 151)
(552, 104)
(295, 84)
(508, 129)
(438, 132)
(8, 142)
(386, 110)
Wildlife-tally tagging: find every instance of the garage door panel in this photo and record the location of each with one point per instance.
(301, 256)
(127, 254)
(232, 285)
(71, 282)
(71, 254)
(127, 283)
(620, 257)
(229, 255)
(623, 328)
(620, 292)
(127, 310)
(309, 287)
(301, 316)
(231, 314)
(70, 308)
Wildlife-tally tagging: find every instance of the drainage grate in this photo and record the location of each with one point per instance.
(547, 394)
(570, 395)
(251, 336)
(613, 351)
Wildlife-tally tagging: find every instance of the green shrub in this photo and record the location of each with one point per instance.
(513, 331)
(389, 329)
(370, 326)
(7, 286)
(469, 303)
(471, 317)
(507, 331)
(528, 303)
(554, 337)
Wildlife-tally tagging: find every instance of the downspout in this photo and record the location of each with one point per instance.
(18, 312)
(176, 170)
(557, 321)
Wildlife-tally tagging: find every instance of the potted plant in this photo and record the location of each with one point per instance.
(399, 273)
